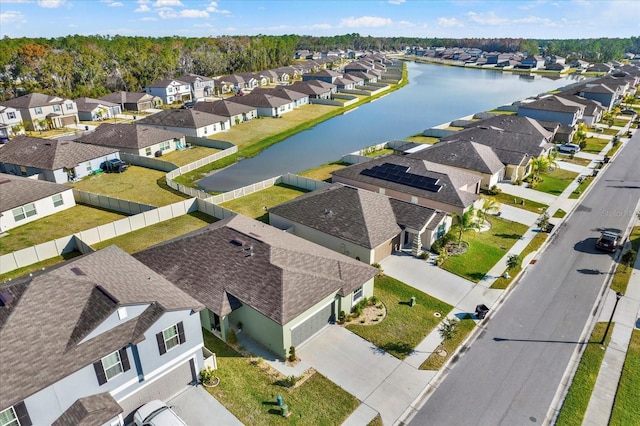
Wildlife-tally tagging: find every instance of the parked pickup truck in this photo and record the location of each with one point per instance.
(114, 166)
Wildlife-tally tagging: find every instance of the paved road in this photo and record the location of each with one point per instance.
(512, 372)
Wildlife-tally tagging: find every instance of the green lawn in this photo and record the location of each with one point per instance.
(379, 153)
(620, 122)
(581, 187)
(187, 156)
(595, 145)
(577, 399)
(66, 222)
(485, 249)
(555, 182)
(253, 205)
(137, 184)
(435, 361)
(404, 326)
(537, 241)
(626, 407)
(610, 132)
(249, 388)
(38, 266)
(574, 160)
(155, 234)
(511, 200)
(324, 172)
(622, 274)
(419, 138)
(559, 213)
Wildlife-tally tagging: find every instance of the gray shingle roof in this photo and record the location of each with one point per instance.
(281, 92)
(451, 180)
(260, 100)
(514, 124)
(187, 118)
(89, 104)
(51, 309)
(127, 97)
(165, 82)
(463, 154)
(90, 411)
(17, 190)
(553, 103)
(33, 100)
(49, 154)
(278, 274)
(223, 108)
(124, 135)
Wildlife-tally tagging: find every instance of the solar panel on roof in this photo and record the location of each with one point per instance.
(398, 173)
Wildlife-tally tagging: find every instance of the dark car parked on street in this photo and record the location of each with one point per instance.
(608, 241)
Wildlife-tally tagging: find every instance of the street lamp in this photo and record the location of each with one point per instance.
(606, 330)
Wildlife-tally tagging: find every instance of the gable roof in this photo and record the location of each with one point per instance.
(127, 97)
(166, 83)
(89, 411)
(450, 180)
(89, 104)
(188, 118)
(223, 108)
(260, 100)
(463, 154)
(50, 154)
(553, 103)
(281, 92)
(192, 78)
(513, 124)
(33, 100)
(59, 298)
(18, 191)
(125, 135)
(241, 260)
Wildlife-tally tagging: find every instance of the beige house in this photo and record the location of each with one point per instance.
(135, 139)
(41, 112)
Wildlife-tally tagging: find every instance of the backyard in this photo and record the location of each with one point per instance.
(61, 224)
(255, 205)
(249, 387)
(137, 184)
(323, 173)
(404, 326)
(189, 155)
(485, 248)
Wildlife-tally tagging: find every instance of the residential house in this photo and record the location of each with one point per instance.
(90, 109)
(600, 68)
(235, 112)
(254, 79)
(557, 67)
(467, 156)
(285, 92)
(606, 91)
(593, 109)
(416, 181)
(358, 223)
(133, 101)
(201, 87)
(90, 340)
(553, 108)
(170, 90)
(314, 91)
(190, 122)
(41, 112)
(327, 76)
(277, 288)
(532, 62)
(25, 200)
(267, 105)
(135, 139)
(52, 160)
(10, 122)
(271, 76)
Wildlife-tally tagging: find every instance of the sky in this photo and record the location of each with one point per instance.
(538, 19)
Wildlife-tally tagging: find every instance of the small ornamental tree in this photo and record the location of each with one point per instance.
(513, 261)
(543, 221)
(448, 329)
(628, 258)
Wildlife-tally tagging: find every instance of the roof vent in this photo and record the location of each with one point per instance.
(5, 181)
(5, 298)
(77, 271)
(238, 242)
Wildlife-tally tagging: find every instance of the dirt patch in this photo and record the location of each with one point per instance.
(454, 248)
(372, 314)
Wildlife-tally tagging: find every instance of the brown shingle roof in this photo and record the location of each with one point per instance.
(463, 154)
(223, 107)
(187, 118)
(49, 154)
(125, 135)
(260, 100)
(33, 100)
(47, 308)
(127, 97)
(90, 411)
(241, 259)
(17, 191)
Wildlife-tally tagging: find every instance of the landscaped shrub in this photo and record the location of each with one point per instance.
(373, 300)
(232, 339)
(441, 242)
(494, 190)
(292, 353)
(341, 316)
(288, 382)
(423, 255)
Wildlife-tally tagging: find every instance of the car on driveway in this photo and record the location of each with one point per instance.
(628, 112)
(608, 241)
(570, 148)
(156, 413)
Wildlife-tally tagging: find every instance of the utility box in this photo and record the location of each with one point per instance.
(481, 311)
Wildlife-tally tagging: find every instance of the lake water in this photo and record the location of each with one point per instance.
(435, 94)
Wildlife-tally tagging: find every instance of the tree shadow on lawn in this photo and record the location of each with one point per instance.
(400, 348)
(509, 236)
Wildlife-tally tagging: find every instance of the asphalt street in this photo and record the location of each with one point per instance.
(510, 374)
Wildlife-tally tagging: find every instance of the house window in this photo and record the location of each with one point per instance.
(56, 108)
(170, 337)
(23, 212)
(357, 295)
(38, 111)
(57, 200)
(112, 365)
(8, 418)
(147, 151)
(11, 115)
(205, 130)
(69, 107)
(89, 168)
(165, 146)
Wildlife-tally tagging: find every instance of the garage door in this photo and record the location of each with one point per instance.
(162, 388)
(311, 326)
(67, 121)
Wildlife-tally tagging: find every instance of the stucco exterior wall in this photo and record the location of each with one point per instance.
(261, 328)
(44, 208)
(566, 118)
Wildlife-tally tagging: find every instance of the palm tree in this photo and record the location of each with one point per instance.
(552, 159)
(513, 261)
(538, 165)
(465, 222)
(489, 205)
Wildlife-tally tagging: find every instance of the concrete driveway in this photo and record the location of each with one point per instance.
(382, 382)
(198, 408)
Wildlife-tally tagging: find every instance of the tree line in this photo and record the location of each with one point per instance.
(75, 66)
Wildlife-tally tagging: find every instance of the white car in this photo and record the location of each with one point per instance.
(570, 148)
(156, 413)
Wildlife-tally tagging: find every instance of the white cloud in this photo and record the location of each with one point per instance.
(11, 17)
(167, 3)
(112, 3)
(406, 24)
(319, 27)
(143, 8)
(72, 26)
(396, 1)
(51, 4)
(193, 13)
(213, 8)
(149, 19)
(365, 22)
(489, 18)
(449, 22)
(535, 20)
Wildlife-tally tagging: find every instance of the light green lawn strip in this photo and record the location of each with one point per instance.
(555, 182)
(623, 273)
(436, 361)
(253, 205)
(626, 407)
(419, 138)
(39, 266)
(188, 156)
(502, 283)
(323, 173)
(514, 201)
(404, 326)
